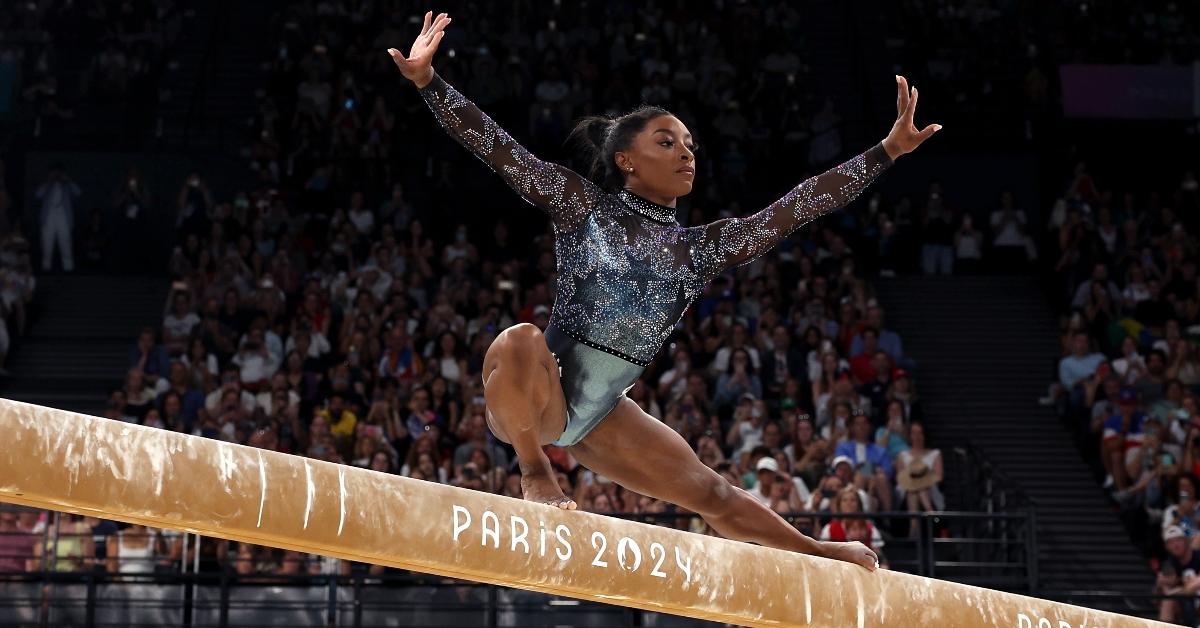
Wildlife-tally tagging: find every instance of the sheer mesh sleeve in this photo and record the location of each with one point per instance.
(563, 194)
(729, 242)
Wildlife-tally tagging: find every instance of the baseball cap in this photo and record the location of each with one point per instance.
(840, 459)
(899, 374)
(1128, 394)
(1174, 532)
(767, 463)
(541, 309)
(748, 397)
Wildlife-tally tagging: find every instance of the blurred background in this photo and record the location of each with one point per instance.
(237, 220)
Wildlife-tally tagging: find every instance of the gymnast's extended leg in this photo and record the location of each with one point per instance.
(642, 454)
(525, 406)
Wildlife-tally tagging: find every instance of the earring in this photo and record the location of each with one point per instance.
(629, 169)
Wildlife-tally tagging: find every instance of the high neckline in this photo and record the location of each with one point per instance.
(649, 209)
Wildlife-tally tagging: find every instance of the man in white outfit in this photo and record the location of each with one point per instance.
(57, 216)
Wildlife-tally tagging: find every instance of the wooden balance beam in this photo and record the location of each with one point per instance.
(71, 462)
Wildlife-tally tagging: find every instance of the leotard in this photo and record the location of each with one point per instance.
(627, 270)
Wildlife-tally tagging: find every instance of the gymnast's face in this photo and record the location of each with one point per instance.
(662, 158)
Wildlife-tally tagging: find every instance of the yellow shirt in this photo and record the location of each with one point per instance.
(343, 426)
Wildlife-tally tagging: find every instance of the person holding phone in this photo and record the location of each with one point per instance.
(627, 272)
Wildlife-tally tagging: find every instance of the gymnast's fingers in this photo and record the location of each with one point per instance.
(928, 132)
(440, 23)
(872, 558)
(901, 95)
(425, 26)
(912, 106)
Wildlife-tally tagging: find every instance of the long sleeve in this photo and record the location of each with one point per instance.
(561, 193)
(732, 241)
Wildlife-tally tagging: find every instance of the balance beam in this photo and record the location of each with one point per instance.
(71, 462)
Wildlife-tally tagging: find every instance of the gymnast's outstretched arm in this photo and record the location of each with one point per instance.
(732, 241)
(563, 194)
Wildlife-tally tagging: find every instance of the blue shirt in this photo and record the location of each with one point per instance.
(889, 343)
(875, 455)
(1133, 436)
(1071, 369)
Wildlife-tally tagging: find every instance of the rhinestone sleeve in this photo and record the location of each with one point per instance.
(730, 242)
(563, 194)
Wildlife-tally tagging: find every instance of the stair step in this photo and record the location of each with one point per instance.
(982, 388)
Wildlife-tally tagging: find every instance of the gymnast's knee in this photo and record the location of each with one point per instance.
(523, 341)
(717, 497)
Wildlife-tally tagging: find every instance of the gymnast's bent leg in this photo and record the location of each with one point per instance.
(642, 454)
(526, 407)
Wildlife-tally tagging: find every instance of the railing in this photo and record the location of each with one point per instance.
(992, 489)
(949, 545)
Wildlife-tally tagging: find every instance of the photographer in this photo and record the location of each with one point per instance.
(57, 195)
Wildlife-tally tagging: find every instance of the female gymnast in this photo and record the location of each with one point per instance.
(626, 272)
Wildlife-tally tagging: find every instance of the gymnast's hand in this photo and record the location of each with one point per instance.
(852, 552)
(418, 67)
(905, 137)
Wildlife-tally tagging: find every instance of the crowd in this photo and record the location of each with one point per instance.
(341, 309)
(17, 282)
(1129, 378)
(64, 61)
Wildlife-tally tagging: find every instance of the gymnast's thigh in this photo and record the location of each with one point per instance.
(644, 455)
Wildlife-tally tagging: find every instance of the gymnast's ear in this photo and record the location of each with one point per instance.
(623, 161)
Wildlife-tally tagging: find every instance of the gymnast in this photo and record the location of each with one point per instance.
(627, 270)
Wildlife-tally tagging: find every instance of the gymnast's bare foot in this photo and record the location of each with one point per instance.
(852, 552)
(543, 489)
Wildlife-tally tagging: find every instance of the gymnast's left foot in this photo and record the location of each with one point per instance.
(543, 488)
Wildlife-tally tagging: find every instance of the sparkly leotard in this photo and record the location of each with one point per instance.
(627, 270)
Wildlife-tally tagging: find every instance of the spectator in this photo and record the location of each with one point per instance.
(746, 432)
(1152, 382)
(808, 451)
(179, 322)
(968, 246)
(57, 215)
(1010, 244)
(149, 357)
(873, 467)
(937, 234)
(190, 399)
(1180, 575)
(849, 502)
(738, 339)
(887, 340)
(1075, 369)
(1122, 437)
(1099, 278)
(69, 544)
(739, 380)
(1182, 510)
(919, 473)
(893, 436)
(17, 547)
(1130, 366)
(134, 550)
(781, 362)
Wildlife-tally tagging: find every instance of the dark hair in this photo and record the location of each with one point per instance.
(749, 362)
(601, 137)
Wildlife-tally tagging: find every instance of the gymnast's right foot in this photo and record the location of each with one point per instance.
(543, 489)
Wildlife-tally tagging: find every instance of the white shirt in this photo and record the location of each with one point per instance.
(1010, 234)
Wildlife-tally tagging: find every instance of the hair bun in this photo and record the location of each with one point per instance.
(594, 130)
